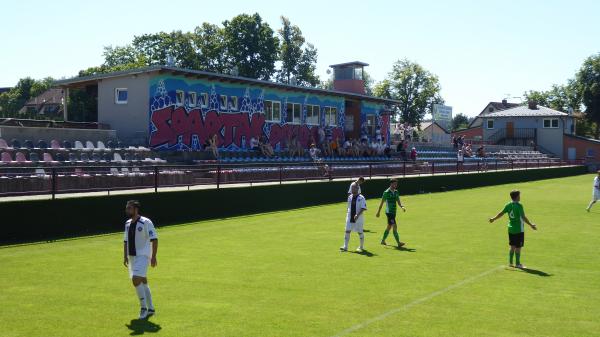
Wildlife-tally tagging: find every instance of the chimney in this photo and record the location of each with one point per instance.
(532, 105)
(504, 102)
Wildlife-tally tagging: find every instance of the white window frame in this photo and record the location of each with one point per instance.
(117, 90)
(234, 103)
(204, 100)
(294, 121)
(328, 113)
(193, 99)
(487, 124)
(221, 105)
(273, 103)
(372, 127)
(550, 120)
(179, 101)
(312, 112)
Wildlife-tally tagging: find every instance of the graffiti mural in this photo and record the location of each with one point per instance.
(184, 113)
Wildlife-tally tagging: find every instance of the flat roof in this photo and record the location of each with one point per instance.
(524, 111)
(223, 77)
(353, 63)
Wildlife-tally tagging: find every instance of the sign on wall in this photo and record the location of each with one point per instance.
(442, 114)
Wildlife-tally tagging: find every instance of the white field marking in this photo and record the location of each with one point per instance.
(416, 302)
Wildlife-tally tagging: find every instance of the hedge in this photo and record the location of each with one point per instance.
(41, 220)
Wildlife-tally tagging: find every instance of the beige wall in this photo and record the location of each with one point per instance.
(47, 134)
(131, 119)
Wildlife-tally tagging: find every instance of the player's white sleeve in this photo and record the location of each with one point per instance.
(152, 234)
(350, 189)
(125, 234)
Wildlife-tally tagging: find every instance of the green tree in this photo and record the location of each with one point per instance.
(298, 59)
(460, 121)
(588, 83)
(251, 46)
(415, 88)
(209, 41)
(369, 83)
(156, 48)
(13, 100)
(383, 89)
(559, 97)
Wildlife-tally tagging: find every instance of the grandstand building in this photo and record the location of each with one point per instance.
(522, 125)
(171, 108)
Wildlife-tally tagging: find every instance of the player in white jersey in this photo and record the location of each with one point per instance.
(139, 250)
(358, 182)
(355, 219)
(595, 192)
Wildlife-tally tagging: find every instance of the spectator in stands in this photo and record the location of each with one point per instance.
(408, 131)
(335, 147)
(253, 144)
(321, 136)
(461, 141)
(455, 142)
(460, 158)
(213, 146)
(265, 148)
(356, 148)
(413, 154)
(402, 150)
(292, 145)
(481, 154)
(347, 147)
(315, 156)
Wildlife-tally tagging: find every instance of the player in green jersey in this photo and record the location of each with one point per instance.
(516, 227)
(391, 197)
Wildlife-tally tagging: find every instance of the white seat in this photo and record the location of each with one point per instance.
(79, 145)
(101, 146)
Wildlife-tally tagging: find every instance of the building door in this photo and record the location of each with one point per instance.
(571, 153)
(510, 130)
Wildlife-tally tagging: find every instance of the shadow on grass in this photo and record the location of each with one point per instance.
(141, 326)
(365, 253)
(529, 271)
(401, 249)
(535, 272)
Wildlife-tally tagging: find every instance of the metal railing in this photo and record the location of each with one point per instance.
(55, 180)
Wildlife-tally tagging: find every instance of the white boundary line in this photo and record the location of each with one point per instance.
(416, 302)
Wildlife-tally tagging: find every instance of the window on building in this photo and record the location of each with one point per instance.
(121, 95)
(330, 115)
(204, 100)
(490, 123)
(294, 113)
(371, 124)
(193, 99)
(179, 97)
(223, 102)
(273, 111)
(551, 123)
(234, 102)
(312, 114)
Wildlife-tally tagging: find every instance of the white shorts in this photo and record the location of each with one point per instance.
(596, 196)
(354, 226)
(138, 265)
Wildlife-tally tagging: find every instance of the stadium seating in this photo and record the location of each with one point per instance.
(6, 157)
(55, 145)
(4, 145)
(42, 144)
(15, 144)
(28, 144)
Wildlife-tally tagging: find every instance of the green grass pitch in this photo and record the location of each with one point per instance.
(281, 274)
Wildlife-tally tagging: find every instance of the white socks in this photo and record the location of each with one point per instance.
(141, 293)
(362, 240)
(148, 296)
(346, 240)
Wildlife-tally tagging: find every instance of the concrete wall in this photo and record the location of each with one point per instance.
(131, 120)
(47, 134)
(581, 149)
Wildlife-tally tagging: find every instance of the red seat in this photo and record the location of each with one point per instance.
(6, 157)
(20, 158)
(54, 144)
(3, 144)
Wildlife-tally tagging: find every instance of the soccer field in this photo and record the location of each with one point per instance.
(281, 274)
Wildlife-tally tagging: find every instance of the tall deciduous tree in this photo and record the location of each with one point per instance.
(251, 46)
(415, 88)
(209, 40)
(588, 83)
(460, 121)
(298, 58)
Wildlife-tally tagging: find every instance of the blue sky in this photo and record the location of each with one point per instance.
(481, 50)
